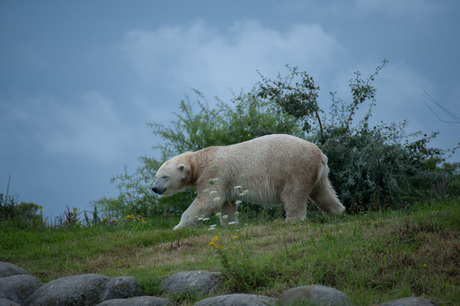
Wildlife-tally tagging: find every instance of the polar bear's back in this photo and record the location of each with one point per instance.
(271, 151)
(270, 165)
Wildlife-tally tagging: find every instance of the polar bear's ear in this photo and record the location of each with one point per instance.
(181, 168)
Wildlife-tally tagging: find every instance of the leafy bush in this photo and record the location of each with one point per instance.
(22, 214)
(220, 125)
(371, 167)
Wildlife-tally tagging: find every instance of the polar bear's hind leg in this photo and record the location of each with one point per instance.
(324, 196)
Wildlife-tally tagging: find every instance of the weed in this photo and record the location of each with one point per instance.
(240, 270)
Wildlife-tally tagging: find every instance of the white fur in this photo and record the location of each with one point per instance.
(277, 169)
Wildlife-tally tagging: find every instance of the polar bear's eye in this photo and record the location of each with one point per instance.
(164, 177)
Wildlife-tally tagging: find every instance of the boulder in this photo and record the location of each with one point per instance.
(238, 299)
(409, 301)
(121, 287)
(18, 288)
(191, 282)
(5, 302)
(7, 269)
(315, 295)
(136, 301)
(73, 290)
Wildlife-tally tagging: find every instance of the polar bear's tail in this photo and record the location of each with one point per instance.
(323, 194)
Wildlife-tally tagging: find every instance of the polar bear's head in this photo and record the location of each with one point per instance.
(173, 176)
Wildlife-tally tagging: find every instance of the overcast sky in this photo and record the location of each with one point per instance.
(79, 80)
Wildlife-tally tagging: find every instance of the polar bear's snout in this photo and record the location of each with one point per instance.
(159, 186)
(158, 190)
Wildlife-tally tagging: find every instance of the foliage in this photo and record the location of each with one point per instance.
(7, 206)
(220, 125)
(241, 272)
(193, 130)
(371, 166)
(21, 213)
(297, 100)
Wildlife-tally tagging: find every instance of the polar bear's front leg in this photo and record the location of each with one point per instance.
(196, 210)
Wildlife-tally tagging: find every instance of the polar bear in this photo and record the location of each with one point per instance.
(270, 170)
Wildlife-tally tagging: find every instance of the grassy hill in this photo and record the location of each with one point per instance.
(374, 257)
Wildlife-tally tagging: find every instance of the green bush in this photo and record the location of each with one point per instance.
(20, 215)
(371, 167)
(196, 127)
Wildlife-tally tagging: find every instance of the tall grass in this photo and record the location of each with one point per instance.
(373, 258)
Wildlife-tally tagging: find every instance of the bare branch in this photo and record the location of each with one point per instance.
(445, 110)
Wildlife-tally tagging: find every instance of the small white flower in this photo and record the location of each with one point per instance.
(225, 217)
(246, 192)
(206, 191)
(214, 225)
(237, 213)
(238, 202)
(211, 228)
(232, 223)
(213, 192)
(205, 219)
(219, 214)
(242, 194)
(215, 179)
(216, 199)
(238, 187)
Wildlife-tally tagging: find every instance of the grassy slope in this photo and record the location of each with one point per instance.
(373, 258)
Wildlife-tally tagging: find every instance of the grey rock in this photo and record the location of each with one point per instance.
(18, 288)
(237, 300)
(314, 295)
(7, 269)
(5, 302)
(191, 282)
(120, 288)
(73, 290)
(409, 301)
(136, 301)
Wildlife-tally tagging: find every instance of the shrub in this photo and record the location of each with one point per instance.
(371, 167)
(21, 214)
(191, 131)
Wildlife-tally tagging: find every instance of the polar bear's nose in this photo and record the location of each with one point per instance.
(158, 190)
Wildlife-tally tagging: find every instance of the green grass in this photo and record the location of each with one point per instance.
(373, 258)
